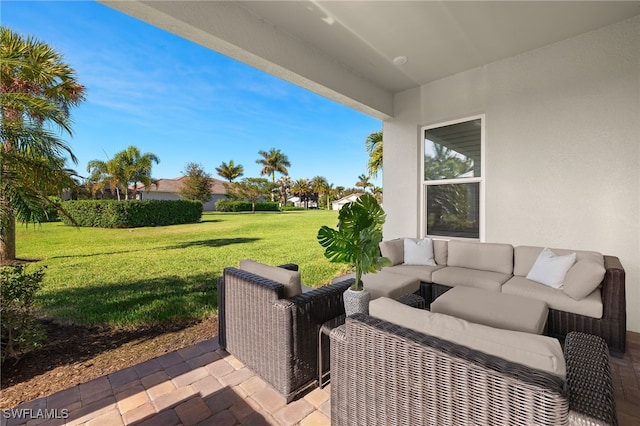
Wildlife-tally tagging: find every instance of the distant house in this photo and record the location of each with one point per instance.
(169, 189)
(337, 205)
(308, 203)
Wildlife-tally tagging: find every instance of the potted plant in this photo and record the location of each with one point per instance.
(356, 242)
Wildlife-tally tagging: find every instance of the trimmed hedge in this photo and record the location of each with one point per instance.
(132, 213)
(245, 206)
(50, 213)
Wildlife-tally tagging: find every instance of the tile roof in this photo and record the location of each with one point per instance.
(174, 185)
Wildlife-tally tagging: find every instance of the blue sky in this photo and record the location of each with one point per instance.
(186, 103)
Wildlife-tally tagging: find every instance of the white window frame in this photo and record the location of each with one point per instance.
(481, 179)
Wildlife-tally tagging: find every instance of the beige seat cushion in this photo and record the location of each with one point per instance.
(499, 310)
(537, 352)
(389, 285)
(422, 273)
(482, 256)
(290, 279)
(590, 306)
(385, 283)
(455, 276)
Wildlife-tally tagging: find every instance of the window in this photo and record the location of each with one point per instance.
(453, 180)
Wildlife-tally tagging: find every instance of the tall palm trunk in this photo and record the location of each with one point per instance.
(8, 226)
(8, 237)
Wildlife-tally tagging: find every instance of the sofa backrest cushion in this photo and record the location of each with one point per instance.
(440, 248)
(484, 256)
(525, 256)
(290, 279)
(532, 350)
(394, 250)
(581, 280)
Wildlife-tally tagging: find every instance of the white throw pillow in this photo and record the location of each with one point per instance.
(550, 269)
(418, 252)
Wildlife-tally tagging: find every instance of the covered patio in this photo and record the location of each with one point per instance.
(556, 87)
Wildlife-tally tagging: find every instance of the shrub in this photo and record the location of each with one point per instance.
(51, 211)
(292, 208)
(20, 331)
(245, 206)
(132, 213)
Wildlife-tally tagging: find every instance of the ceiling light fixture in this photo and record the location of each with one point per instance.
(400, 60)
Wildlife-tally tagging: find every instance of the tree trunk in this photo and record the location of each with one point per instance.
(8, 239)
(8, 228)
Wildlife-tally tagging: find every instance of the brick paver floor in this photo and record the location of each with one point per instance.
(203, 385)
(197, 385)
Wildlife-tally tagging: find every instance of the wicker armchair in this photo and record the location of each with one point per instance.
(383, 374)
(276, 337)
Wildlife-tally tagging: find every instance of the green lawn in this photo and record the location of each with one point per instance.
(139, 277)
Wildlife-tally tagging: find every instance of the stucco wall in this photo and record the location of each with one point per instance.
(562, 147)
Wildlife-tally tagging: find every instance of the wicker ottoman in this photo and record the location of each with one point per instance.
(499, 310)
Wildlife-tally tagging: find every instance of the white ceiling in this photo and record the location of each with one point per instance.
(438, 38)
(345, 49)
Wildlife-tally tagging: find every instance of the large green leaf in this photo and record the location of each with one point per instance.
(357, 239)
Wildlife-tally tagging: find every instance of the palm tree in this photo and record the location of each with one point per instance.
(37, 92)
(103, 174)
(331, 193)
(272, 162)
(363, 182)
(377, 193)
(302, 188)
(373, 144)
(320, 185)
(230, 171)
(136, 167)
(127, 166)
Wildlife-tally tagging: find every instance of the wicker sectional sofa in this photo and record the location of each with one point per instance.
(423, 379)
(583, 304)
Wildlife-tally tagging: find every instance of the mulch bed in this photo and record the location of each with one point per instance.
(75, 354)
